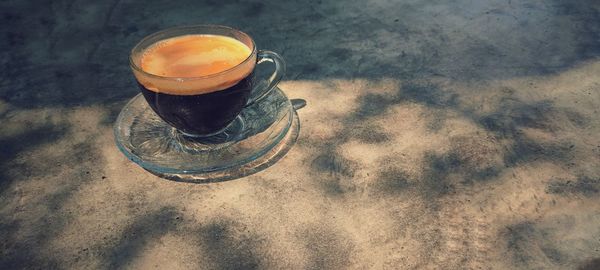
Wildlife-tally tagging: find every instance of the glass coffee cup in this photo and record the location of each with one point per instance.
(199, 78)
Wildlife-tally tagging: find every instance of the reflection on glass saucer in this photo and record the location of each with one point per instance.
(260, 135)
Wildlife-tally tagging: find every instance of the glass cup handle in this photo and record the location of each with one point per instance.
(268, 56)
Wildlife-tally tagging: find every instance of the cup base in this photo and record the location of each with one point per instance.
(255, 140)
(224, 138)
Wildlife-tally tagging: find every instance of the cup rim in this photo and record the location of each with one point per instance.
(137, 68)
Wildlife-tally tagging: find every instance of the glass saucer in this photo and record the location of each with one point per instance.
(259, 137)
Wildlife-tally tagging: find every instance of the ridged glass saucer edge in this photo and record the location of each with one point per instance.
(263, 159)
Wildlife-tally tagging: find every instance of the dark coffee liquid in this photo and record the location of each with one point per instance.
(197, 106)
(204, 113)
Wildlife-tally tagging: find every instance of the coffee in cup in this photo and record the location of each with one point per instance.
(199, 78)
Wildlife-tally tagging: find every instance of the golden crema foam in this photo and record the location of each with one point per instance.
(186, 59)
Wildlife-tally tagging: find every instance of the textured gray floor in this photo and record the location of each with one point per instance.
(438, 135)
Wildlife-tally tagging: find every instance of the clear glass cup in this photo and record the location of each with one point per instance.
(208, 128)
(190, 104)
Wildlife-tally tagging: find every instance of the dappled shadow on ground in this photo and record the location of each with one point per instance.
(326, 247)
(228, 249)
(592, 264)
(445, 146)
(137, 236)
(431, 130)
(30, 218)
(64, 57)
(12, 146)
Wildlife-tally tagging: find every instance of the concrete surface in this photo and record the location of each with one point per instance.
(438, 135)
